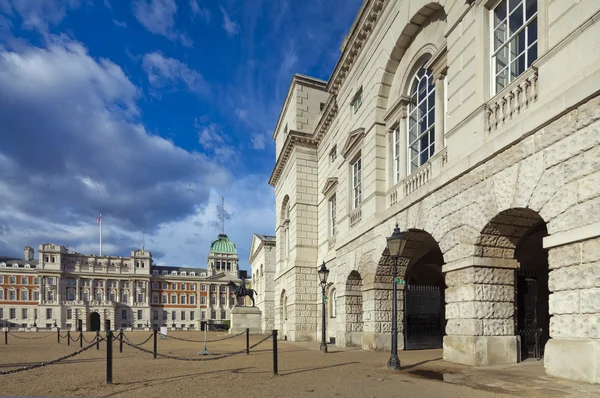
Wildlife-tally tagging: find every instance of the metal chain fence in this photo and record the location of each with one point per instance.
(202, 358)
(142, 343)
(31, 338)
(202, 341)
(42, 364)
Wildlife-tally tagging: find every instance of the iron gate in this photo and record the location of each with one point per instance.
(527, 319)
(423, 317)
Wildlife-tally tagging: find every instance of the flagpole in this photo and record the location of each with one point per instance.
(100, 235)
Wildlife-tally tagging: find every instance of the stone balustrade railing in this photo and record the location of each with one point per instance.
(513, 100)
(417, 179)
(355, 216)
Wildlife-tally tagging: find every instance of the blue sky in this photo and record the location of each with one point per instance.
(148, 111)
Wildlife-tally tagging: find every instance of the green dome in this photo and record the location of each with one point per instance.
(223, 245)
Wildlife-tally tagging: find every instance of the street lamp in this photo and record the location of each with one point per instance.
(395, 244)
(323, 274)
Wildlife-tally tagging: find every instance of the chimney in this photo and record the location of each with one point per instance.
(28, 253)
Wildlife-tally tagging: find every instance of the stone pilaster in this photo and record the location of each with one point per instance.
(479, 310)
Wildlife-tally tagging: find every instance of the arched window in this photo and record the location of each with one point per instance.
(421, 120)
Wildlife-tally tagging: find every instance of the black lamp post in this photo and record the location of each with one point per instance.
(323, 274)
(395, 244)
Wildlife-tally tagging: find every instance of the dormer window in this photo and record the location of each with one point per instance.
(165, 272)
(192, 274)
(357, 101)
(155, 273)
(183, 273)
(173, 272)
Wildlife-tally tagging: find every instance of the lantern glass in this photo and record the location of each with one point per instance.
(323, 273)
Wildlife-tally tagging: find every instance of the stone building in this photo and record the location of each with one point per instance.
(73, 291)
(474, 125)
(262, 262)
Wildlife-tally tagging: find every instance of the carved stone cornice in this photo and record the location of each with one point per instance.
(438, 64)
(293, 139)
(329, 113)
(355, 42)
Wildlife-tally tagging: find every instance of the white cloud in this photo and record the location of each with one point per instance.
(103, 159)
(121, 24)
(231, 27)
(164, 71)
(213, 139)
(242, 114)
(258, 141)
(202, 12)
(39, 14)
(158, 17)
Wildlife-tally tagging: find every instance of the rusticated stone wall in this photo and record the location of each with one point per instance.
(575, 282)
(480, 302)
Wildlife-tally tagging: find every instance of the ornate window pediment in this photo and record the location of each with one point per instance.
(354, 140)
(330, 185)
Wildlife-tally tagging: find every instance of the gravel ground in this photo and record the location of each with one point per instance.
(303, 370)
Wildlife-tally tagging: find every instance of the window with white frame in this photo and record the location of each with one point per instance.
(24, 313)
(155, 298)
(24, 294)
(165, 299)
(13, 313)
(357, 101)
(356, 183)
(396, 154)
(1, 278)
(514, 40)
(12, 295)
(173, 299)
(12, 279)
(333, 154)
(332, 216)
(1, 294)
(140, 315)
(192, 299)
(421, 120)
(36, 295)
(183, 299)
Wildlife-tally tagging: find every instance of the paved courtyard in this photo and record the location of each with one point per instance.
(303, 372)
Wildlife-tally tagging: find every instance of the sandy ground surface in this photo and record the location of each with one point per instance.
(303, 372)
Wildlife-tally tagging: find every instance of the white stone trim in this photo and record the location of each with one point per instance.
(575, 235)
(481, 262)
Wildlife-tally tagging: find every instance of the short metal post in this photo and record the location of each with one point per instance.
(58, 335)
(155, 343)
(109, 357)
(247, 341)
(80, 339)
(97, 340)
(6, 337)
(121, 342)
(275, 364)
(68, 337)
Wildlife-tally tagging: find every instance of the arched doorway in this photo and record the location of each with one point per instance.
(424, 319)
(95, 322)
(421, 315)
(515, 236)
(532, 318)
(353, 303)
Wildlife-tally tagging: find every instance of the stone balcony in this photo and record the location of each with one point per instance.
(419, 178)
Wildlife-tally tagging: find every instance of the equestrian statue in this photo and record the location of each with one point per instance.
(242, 291)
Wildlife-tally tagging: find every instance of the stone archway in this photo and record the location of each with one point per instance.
(94, 322)
(352, 302)
(420, 251)
(506, 278)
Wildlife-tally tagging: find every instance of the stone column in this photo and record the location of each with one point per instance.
(479, 309)
(77, 289)
(58, 298)
(573, 352)
(440, 110)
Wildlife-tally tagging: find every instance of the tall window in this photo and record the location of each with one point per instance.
(333, 310)
(396, 155)
(356, 183)
(514, 40)
(421, 120)
(332, 216)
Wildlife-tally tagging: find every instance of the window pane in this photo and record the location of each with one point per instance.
(515, 20)
(531, 55)
(512, 4)
(517, 67)
(499, 14)
(530, 8)
(532, 32)
(431, 117)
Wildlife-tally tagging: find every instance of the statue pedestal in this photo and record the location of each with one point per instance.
(245, 317)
